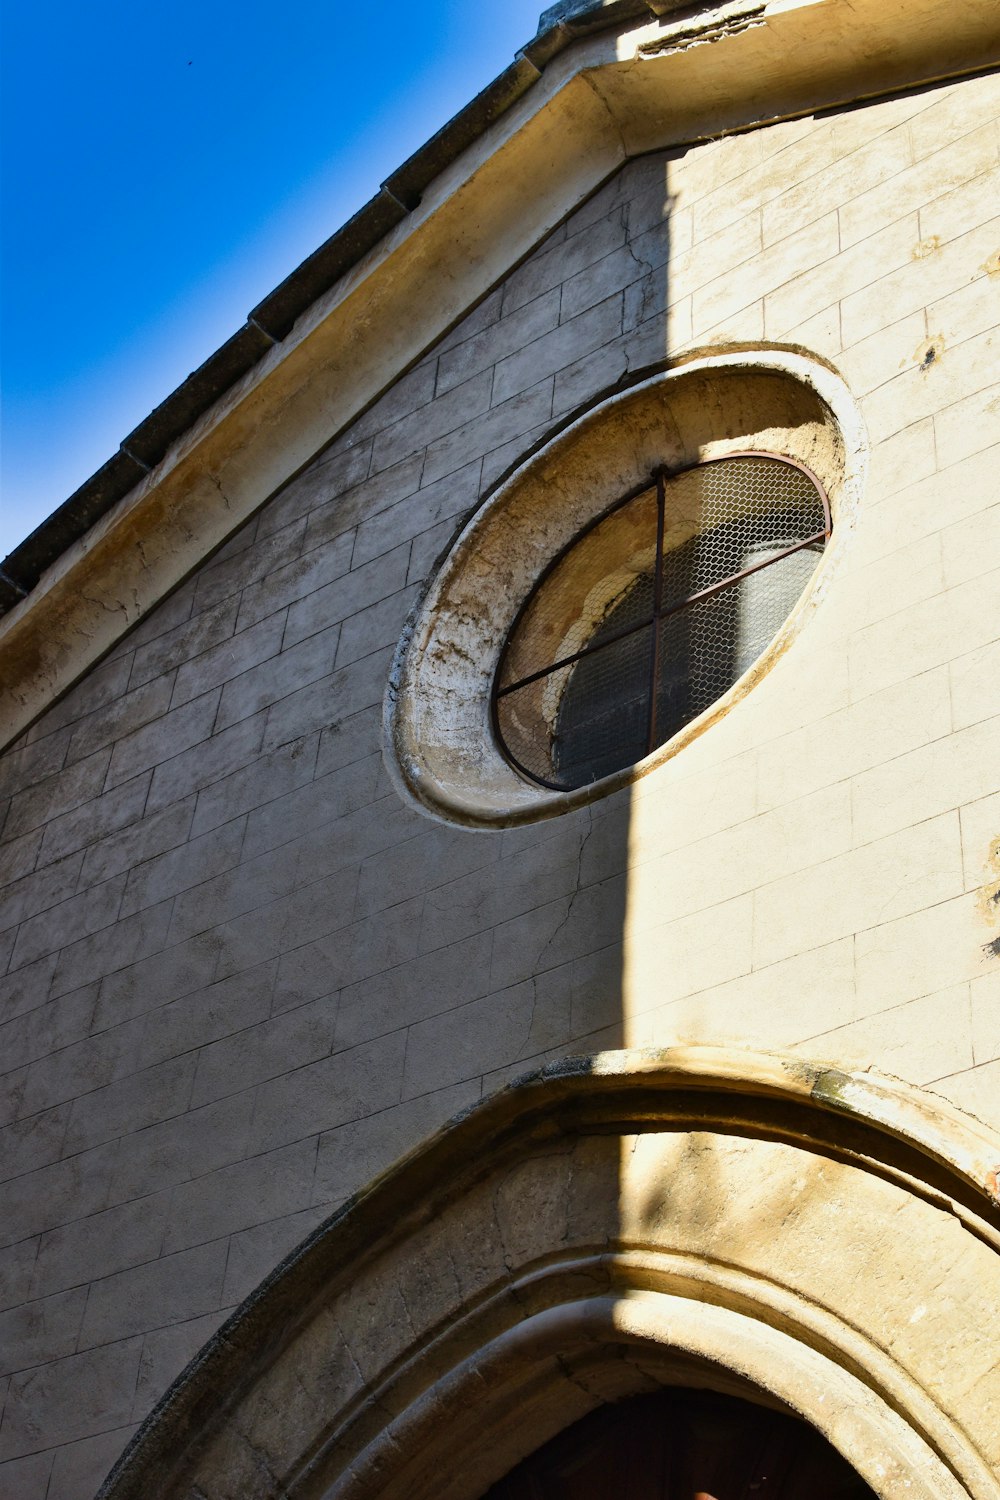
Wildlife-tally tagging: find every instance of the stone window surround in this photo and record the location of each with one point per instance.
(441, 748)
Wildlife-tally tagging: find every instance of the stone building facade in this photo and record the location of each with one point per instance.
(246, 972)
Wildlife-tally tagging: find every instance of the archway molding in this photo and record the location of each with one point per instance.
(822, 1241)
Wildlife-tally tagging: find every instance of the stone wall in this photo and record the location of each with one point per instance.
(242, 976)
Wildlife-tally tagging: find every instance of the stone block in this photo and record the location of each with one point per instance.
(926, 275)
(838, 276)
(984, 993)
(717, 301)
(68, 922)
(599, 281)
(916, 187)
(923, 636)
(922, 390)
(169, 1290)
(951, 114)
(450, 411)
(558, 931)
(918, 1041)
(143, 840)
(976, 1090)
(254, 1253)
(351, 1155)
(322, 481)
(263, 1050)
(267, 1186)
(502, 425)
(318, 803)
(346, 1086)
(53, 1195)
(337, 601)
(963, 313)
(179, 869)
(250, 886)
(556, 262)
(869, 173)
(893, 877)
(501, 338)
(409, 394)
(482, 315)
(445, 500)
(129, 1104)
(64, 789)
(20, 854)
(26, 1478)
(917, 954)
(115, 947)
(343, 513)
(432, 857)
(264, 780)
(42, 1330)
(405, 993)
(199, 675)
(17, 1265)
(165, 738)
(165, 1352)
(160, 658)
(877, 730)
(26, 988)
(196, 1020)
(924, 782)
(901, 460)
(74, 1254)
(459, 1045)
(555, 350)
(880, 357)
(79, 1468)
(116, 809)
(190, 1145)
(377, 626)
(131, 711)
(344, 693)
(39, 891)
(30, 1143)
(268, 599)
(929, 503)
(167, 975)
(968, 426)
(775, 1006)
(101, 689)
(229, 576)
(980, 823)
(750, 855)
(48, 1028)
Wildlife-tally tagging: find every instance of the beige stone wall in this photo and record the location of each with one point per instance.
(242, 977)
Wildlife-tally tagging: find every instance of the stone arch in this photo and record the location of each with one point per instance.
(814, 1239)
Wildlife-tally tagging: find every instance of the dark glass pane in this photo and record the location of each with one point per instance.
(730, 519)
(603, 719)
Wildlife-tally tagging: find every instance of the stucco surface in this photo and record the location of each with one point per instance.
(242, 976)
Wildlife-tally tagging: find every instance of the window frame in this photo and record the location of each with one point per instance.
(660, 476)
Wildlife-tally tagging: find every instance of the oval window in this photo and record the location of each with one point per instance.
(652, 613)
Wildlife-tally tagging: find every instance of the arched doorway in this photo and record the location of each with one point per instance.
(682, 1444)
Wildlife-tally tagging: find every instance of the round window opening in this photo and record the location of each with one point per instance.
(652, 613)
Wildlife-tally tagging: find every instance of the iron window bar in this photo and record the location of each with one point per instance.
(660, 477)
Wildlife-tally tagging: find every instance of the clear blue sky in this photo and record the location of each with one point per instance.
(166, 165)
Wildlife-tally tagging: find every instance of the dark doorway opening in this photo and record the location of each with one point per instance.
(684, 1445)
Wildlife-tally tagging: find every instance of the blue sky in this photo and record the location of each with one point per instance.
(166, 165)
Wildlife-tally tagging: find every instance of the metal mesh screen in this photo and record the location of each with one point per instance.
(652, 613)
